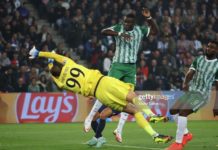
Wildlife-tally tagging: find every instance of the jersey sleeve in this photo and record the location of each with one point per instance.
(145, 30)
(59, 58)
(116, 28)
(194, 64)
(59, 84)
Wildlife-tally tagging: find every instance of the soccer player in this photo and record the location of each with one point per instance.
(111, 92)
(197, 85)
(128, 36)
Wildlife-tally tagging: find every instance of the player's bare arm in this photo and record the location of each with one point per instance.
(215, 109)
(147, 14)
(109, 32)
(188, 77)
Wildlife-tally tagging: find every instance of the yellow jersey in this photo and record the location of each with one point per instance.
(74, 77)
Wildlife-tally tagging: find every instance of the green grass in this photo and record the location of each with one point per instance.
(71, 136)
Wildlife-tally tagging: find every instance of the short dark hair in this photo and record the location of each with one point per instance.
(215, 42)
(131, 15)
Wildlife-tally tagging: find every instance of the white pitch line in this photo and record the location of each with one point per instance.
(136, 147)
(133, 147)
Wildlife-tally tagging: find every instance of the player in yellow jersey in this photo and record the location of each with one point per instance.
(110, 91)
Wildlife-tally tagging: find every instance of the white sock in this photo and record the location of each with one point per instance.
(123, 118)
(175, 117)
(186, 131)
(94, 110)
(182, 124)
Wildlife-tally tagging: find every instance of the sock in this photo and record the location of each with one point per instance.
(94, 125)
(143, 106)
(175, 117)
(100, 128)
(123, 118)
(94, 110)
(140, 120)
(186, 131)
(182, 124)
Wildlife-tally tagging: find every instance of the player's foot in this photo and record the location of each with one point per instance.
(87, 124)
(158, 118)
(92, 142)
(100, 142)
(162, 138)
(175, 146)
(186, 138)
(118, 136)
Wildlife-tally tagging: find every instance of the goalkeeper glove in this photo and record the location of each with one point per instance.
(33, 53)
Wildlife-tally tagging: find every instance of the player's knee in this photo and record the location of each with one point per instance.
(103, 116)
(185, 112)
(131, 95)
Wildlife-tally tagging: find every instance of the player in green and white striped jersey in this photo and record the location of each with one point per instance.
(197, 84)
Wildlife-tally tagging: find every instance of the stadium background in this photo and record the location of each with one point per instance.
(72, 28)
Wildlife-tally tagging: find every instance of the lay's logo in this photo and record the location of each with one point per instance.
(46, 107)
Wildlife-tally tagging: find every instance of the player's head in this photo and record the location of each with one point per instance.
(212, 49)
(56, 69)
(129, 22)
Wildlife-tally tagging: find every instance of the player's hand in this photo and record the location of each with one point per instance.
(146, 12)
(126, 37)
(185, 87)
(33, 53)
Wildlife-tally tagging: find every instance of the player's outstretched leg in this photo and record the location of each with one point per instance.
(158, 138)
(144, 108)
(89, 118)
(158, 118)
(118, 131)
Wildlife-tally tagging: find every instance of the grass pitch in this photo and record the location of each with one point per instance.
(71, 136)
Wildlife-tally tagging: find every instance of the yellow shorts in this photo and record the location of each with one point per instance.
(113, 92)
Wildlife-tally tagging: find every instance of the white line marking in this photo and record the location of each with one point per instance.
(136, 147)
(131, 146)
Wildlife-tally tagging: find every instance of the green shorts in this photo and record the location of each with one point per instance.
(192, 100)
(123, 72)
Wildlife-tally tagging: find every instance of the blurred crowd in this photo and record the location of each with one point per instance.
(185, 28)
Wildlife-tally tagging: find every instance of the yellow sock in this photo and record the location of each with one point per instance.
(143, 106)
(144, 124)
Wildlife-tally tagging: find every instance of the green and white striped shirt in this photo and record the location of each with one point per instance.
(206, 73)
(126, 51)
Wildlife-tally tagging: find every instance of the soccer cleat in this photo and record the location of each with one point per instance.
(186, 138)
(118, 136)
(162, 138)
(158, 118)
(92, 142)
(87, 124)
(175, 146)
(100, 142)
